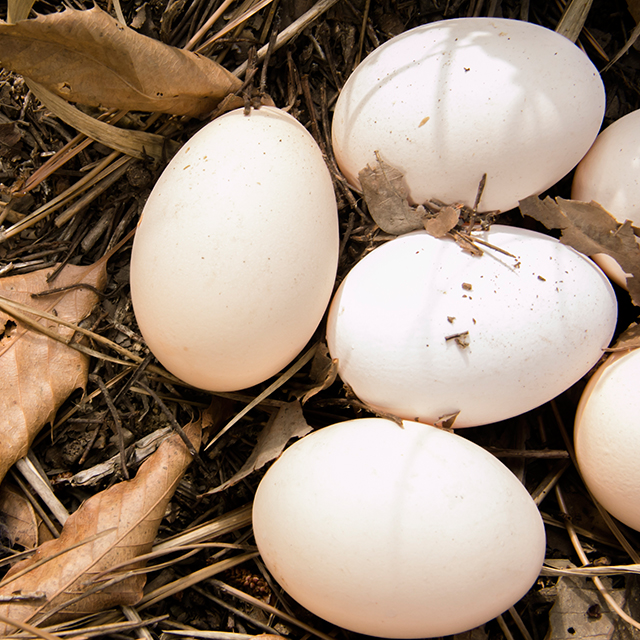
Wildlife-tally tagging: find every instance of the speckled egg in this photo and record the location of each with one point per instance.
(424, 330)
(449, 101)
(235, 255)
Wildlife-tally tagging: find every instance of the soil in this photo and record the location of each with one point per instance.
(304, 76)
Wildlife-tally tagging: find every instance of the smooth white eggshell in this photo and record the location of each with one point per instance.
(235, 256)
(451, 100)
(536, 324)
(610, 175)
(607, 436)
(397, 532)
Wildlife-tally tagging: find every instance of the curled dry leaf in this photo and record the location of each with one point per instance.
(20, 523)
(90, 58)
(387, 196)
(37, 373)
(442, 222)
(120, 523)
(590, 229)
(289, 422)
(324, 372)
(138, 144)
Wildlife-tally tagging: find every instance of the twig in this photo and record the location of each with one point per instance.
(86, 182)
(363, 30)
(42, 488)
(193, 578)
(113, 628)
(35, 504)
(117, 423)
(575, 541)
(527, 453)
(241, 614)
(519, 623)
(24, 626)
(214, 17)
(613, 527)
(268, 608)
(503, 625)
(39, 563)
(227, 523)
(109, 176)
(291, 371)
(292, 30)
(590, 571)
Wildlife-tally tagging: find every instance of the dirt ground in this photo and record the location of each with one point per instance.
(304, 76)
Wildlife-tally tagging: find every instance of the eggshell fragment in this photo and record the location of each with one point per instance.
(423, 330)
(235, 256)
(607, 436)
(610, 175)
(397, 532)
(449, 101)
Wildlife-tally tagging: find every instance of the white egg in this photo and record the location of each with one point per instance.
(397, 532)
(423, 329)
(607, 436)
(449, 101)
(610, 175)
(235, 256)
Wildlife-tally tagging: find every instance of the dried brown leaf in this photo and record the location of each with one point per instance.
(386, 194)
(590, 229)
(20, 522)
(138, 144)
(287, 423)
(38, 373)
(442, 222)
(324, 371)
(127, 515)
(90, 58)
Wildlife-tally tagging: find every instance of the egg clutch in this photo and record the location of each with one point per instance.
(398, 532)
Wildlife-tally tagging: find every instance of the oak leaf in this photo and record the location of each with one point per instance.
(110, 528)
(37, 373)
(90, 58)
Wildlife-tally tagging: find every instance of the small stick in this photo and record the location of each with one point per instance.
(177, 428)
(292, 30)
(117, 423)
(575, 541)
(263, 75)
(42, 488)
